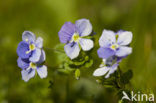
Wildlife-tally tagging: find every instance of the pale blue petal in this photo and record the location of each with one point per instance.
(83, 27)
(112, 70)
(27, 74)
(86, 44)
(123, 51)
(107, 38)
(28, 36)
(101, 71)
(23, 63)
(105, 52)
(66, 32)
(35, 55)
(72, 50)
(124, 38)
(22, 48)
(39, 42)
(42, 71)
(42, 57)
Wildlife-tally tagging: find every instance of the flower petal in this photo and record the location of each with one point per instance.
(35, 55)
(42, 71)
(28, 36)
(27, 74)
(23, 63)
(66, 32)
(101, 71)
(112, 70)
(124, 38)
(72, 50)
(105, 52)
(84, 27)
(42, 57)
(123, 51)
(86, 44)
(107, 38)
(22, 48)
(39, 42)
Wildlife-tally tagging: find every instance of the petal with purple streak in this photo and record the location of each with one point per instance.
(42, 57)
(35, 55)
(23, 63)
(124, 38)
(66, 32)
(107, 38)
(123, 51)
(42, 71)
(28, 74)
(83, 27)
(39, 42)
(22, 48)
(105, 52)
(86, 44)
(28, 36)
(72, 50)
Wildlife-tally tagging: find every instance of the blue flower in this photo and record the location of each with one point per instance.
(73, 36)
(31, 56)
(30, 48)
(29, 68)
(107, 67)
(114, 44)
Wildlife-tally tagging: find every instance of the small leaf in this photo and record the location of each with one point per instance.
(77, 74)
(89, 63)
(125, 77)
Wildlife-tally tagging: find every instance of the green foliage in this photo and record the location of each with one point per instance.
(126, 77)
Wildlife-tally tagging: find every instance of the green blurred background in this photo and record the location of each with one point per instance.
(45, 18)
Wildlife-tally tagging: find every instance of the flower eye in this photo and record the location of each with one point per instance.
(75, 37)
(31, 46)
(32, 65)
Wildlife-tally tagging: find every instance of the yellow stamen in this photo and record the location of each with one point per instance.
(26, 39)
(32, 65)
(114, 46)
(75, 37)
(31, 47)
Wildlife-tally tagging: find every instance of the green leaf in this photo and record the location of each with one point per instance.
(89, 64)
(125, 77)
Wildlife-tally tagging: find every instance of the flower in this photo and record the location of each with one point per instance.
(74, 35)
(31, 56)
(30, 48)
(107, 67)
(29, 68)
(114, 44)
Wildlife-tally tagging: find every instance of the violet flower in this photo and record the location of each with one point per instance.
(114, 44)
(73, 35)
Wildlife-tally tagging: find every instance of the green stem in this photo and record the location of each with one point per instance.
(53, 49)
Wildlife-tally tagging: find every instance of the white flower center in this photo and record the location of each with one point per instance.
(75, 37)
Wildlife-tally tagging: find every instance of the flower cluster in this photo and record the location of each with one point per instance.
(113, 48)
(74, 36)
(31, 56)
